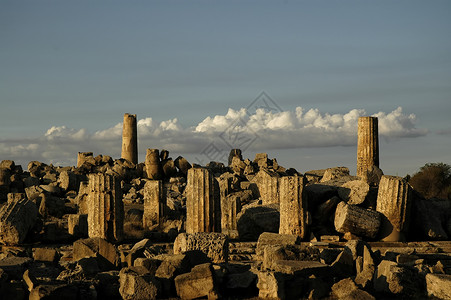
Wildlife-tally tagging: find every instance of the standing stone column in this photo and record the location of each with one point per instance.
(105, 207)
(202, 202)
(130, 139)
(153, 203)
(153, 165)
(293, 206)
(394, 202)
(367, 144)
(230, 207)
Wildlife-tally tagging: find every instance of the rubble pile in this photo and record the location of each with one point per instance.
(165, 228)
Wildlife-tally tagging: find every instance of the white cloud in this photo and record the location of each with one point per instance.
(260, 130)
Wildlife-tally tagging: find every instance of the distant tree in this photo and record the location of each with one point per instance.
(433, 181)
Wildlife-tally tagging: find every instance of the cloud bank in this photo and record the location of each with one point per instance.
(258, 131)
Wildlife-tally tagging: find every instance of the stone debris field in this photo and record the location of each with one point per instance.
(169, 229)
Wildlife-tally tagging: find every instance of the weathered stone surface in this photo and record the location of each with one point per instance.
(214, 245)
(106, 209)
(343, 265)
(85, 158)
(234, 153)
(46, 255)
(16, 220)
(202, 202)
(15, 266)
(78, 225)
(395, 279)
(439, 285)
(136, 283)
(54, 291)
(334, 173)
(200, 282)
(169, 168)
(293, 206)
(182, 164)
(367, 144)
(153, 165)
(105, 252)
(431, 217)
(359, 221)
(137, 251)
(394, 202)
(268, 185)
(253, 220)
(130, 139)
(68, 181)
(272, 239)
(153, 203)
(270, 285)
(354, 192)
(51, 206)
(230, 207)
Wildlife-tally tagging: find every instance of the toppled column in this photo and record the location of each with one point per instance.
(293, 206)
(394, 202)
(105, 207)
(17, 217)
(268, 185)
(130, 139)
(214, 245)
(202, 203)
(367, 144)
(153, 203)
(356, 220)
(230, 207)
(153, 165)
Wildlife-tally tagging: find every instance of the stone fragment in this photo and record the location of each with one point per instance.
(153, 165)
(137, 251)
(293, 206)
(354, 191)
(169, 168)
(439, 286)
(136, 283)
(268, 185)
(182, 164)
(200, 282)
(68, 181)
(105, 252)
(46, 255)
(105, 207)
(78, 225)
(234, 153)
(395, 279)
(16, 220)
(85, 158)
(54, 291)
(359, 221)
(130, 139)
(394, 202)
(253, 220)
(367, 144)
(230, 207)
(202, 202)
(30, 280)
(274, 239)
(343, 265)
(15, 266)
(270, 285)
(51, 206)
(214, 245)
(261, 159)
(153, 203)
(334, 173)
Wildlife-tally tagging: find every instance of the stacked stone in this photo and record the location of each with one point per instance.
(202, 203)
(394, 202)
(105, 207)
(130, 139)
(367, 145)
(153, 203)
(153, 165)
(293, 206)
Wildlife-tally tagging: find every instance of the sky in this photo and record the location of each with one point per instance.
(289, 78)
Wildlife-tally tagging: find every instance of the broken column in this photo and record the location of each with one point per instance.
(394, 202)
(130, 139)
(153, 203)
(230, 207)
(268, 186)
(17, 217)
(105, 207)
(202, 203)
(367, 144)
(356, 220)
(85, 157)
(153, 165)
(293, 206)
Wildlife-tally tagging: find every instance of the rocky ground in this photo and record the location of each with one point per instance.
(46, 252)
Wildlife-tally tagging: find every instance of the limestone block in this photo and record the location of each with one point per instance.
(198, 283)
(354, 191)
(137, 284)
(357, 220)
(268, 185)
(439, 285)
(214, 245)
(16, 220)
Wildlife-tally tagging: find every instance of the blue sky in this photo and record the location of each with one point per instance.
(69, 70)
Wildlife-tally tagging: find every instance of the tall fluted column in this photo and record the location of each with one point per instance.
(130, 139)
(394, 202)
(367, 144)
(153, 203)
(105, 207)
(202, 203)
(293, 206)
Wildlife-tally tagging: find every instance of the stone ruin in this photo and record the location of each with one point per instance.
(164, 228)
